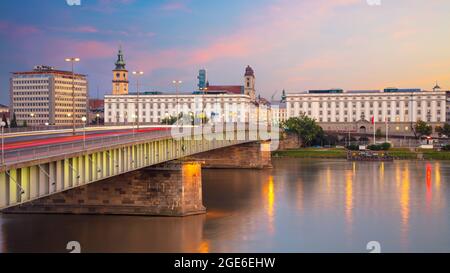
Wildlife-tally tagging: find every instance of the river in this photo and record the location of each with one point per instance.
(298, 206)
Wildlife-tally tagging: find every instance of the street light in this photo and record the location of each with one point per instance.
(138, 74)
(32, 119)
(177, 86)
(98, 119)
(203, 89)
(84, 119)
(73, 61)
(134, 120)
(3, 124)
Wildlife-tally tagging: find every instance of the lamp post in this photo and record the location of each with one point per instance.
(177, 87)
(3, 124)
(138, 74)
(32, 115)
(84, 119)
(203, 89)
(98, 119)
(134, 121)
(73, 61)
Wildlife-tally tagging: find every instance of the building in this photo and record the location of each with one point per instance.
(45, 96)
(448, 106)
(341, 110)
(96, 111)
(230, 103)
(4, 109)
(120, 76)
(279, 112)
(122, 110)
(202, 79)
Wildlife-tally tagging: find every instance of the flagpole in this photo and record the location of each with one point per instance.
(387, 130)
(374, 130)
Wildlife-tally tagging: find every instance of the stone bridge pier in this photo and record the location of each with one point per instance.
(169, 189)
(256, 155)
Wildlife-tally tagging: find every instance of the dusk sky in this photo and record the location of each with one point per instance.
(291, 44)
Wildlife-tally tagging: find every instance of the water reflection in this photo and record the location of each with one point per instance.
(299, 206)
(405, 204)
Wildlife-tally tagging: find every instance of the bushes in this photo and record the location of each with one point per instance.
(353, 147)
(379, 147)
(446, 147)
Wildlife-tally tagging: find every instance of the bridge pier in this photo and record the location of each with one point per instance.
(255, 155)
(169, 189)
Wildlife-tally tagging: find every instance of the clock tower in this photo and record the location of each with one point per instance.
(120, 76)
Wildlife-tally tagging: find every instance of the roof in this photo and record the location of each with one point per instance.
(41, 72)
(120, 63)
(249, 71)
(96, 103)
(234, 89)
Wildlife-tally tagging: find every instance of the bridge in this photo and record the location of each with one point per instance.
(150, 171)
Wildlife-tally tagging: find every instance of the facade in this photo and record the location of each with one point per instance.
(96, 111)
(4, 109)
(448, 107)
(249, 88)
(229, 103)
(352, 106)
(44, 96)
(121, 110)
(279, 112)
(120, 81)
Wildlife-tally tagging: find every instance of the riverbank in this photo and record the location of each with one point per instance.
(397, 153)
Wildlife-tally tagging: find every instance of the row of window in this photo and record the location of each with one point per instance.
(181, 100)
(419, 97)
(371, 104)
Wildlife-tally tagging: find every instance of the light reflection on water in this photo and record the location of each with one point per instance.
(299, 206)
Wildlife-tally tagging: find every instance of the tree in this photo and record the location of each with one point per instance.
(445, 130)
(169, 120)
(305, 127)
(423, 129)
(5, 120)
(14, 121)
(378, 133)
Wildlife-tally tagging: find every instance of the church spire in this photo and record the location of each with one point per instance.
(120, 64)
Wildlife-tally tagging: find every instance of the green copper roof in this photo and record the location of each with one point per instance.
(120, 64)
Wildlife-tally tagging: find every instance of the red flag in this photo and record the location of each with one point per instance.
(373, 119)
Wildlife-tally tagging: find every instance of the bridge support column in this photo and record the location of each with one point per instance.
(170, 189)
(255, 155)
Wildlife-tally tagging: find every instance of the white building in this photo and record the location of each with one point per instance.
(45, 96)
(219, 103)
(393, 105)
(153, 108)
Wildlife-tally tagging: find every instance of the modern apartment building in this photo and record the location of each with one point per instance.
(44, 96)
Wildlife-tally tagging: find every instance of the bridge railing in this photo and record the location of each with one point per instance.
(45, 151)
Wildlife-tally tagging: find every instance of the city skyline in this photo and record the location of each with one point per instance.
(336, 44)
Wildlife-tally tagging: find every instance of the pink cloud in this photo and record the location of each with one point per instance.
(175, 6)
(15, 30)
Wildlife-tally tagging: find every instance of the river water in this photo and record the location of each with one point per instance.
(298, 206)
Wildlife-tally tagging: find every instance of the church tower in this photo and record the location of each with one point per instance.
(249, 88)
(120, 76)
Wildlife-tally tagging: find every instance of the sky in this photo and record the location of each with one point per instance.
(294, 45)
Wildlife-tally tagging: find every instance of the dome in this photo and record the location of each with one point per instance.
(249, 71)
